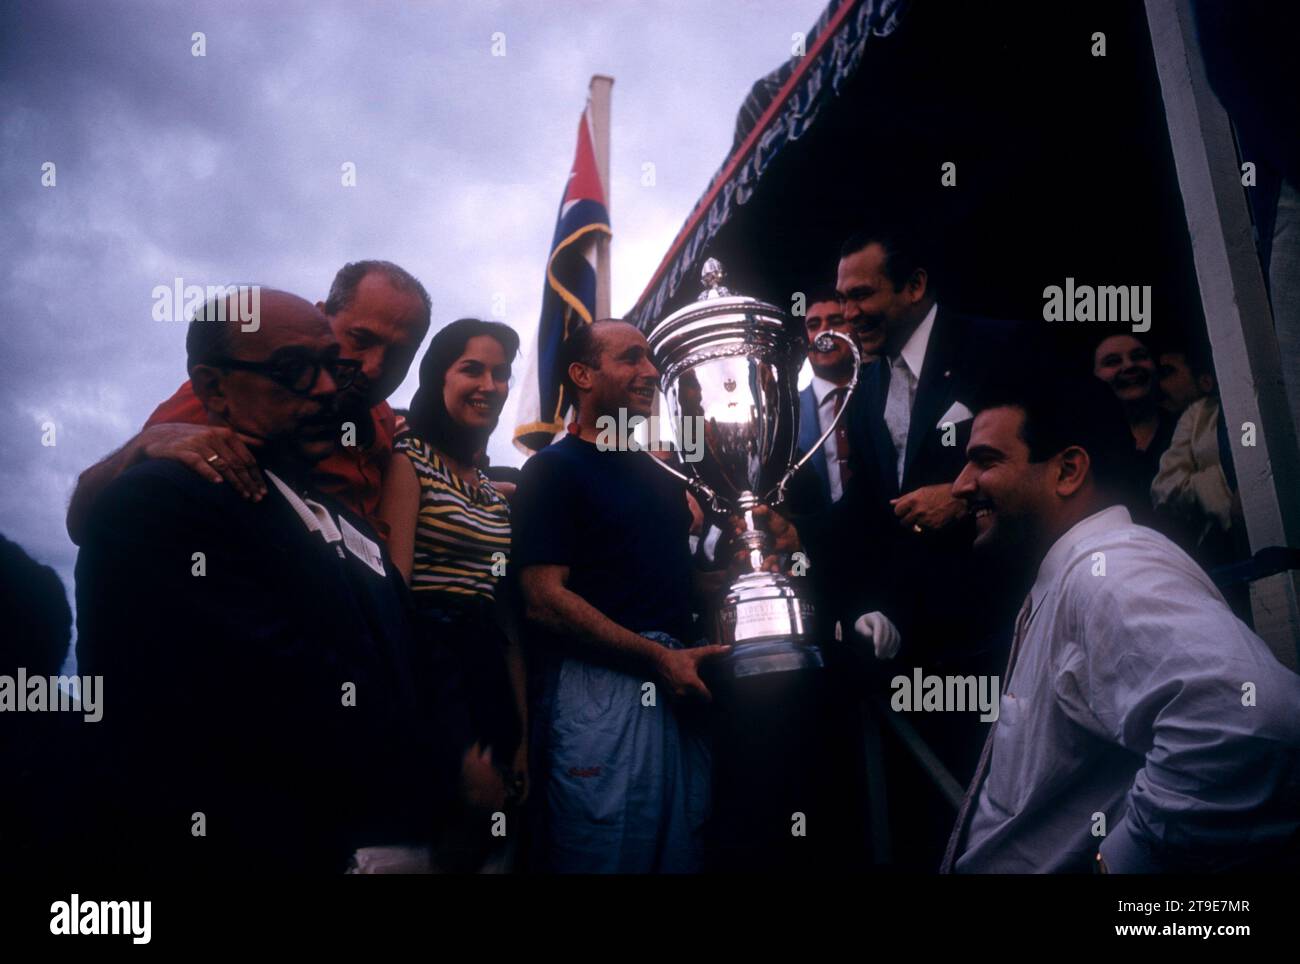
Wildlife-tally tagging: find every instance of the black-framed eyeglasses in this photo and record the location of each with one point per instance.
(298, 373)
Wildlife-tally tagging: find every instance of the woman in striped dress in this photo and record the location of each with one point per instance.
(450, 538)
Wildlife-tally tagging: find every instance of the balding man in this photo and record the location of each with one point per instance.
(379, 314)
(601, 545)
(267, 710)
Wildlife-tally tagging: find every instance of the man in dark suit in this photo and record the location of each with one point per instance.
(909, 423)
(822, 399)
(894, 552)
(265, 710)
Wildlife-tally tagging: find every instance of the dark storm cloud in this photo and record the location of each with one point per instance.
(226, 168)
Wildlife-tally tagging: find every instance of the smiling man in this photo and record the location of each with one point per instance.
(906, 424)
(601, 545)
(379, 314)
(1143, 728)
(893, 555)
(894, 552)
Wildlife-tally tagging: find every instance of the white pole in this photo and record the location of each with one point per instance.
(1237, 315)
(600, 90)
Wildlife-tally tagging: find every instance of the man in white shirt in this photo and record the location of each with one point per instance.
(1142, 728)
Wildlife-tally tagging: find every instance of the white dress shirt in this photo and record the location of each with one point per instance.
(904, 375)
(1138, 705)
(825, 415)
(317, 518)
(313, 514)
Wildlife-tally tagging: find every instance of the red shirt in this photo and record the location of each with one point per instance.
(353, 475)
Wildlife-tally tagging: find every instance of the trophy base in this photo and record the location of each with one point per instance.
(768, 627)
(771, 656)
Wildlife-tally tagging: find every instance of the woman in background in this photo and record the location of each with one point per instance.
(450, 538)
(1125, 363)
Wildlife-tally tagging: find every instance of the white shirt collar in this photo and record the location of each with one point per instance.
(822, 388)
(914, 351)
(313, 515)
(1064, 548)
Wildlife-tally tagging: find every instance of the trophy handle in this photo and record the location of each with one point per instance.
(695, 485)
(777, 495)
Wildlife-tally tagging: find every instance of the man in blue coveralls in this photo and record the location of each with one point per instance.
(601, 546)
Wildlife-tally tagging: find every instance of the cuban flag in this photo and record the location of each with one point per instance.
(568, 298)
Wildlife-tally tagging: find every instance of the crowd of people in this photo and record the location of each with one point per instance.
(333, 638)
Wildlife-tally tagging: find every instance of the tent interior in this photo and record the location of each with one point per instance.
(1063, 170)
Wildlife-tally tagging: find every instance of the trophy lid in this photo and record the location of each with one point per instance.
(720, 317)
(712, 275)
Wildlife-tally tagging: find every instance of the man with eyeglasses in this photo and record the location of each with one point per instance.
(379, 315)
(269, 711)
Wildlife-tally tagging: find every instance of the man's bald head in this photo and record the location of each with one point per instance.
(584, 343)
(607, 367)
(233, 321)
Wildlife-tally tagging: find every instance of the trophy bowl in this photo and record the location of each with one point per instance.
(732, 363)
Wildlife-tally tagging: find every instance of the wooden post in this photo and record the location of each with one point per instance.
(1237, 314)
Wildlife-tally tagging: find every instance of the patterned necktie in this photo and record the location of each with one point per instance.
(842, 450)
(898, 408)
(982, 768)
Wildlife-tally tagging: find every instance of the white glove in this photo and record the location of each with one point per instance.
(880, 632)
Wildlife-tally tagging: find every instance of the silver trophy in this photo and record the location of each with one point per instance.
(733, 362)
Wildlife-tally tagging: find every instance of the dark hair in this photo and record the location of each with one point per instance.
(428, 416)
(1196, 356)
(582, 346)
(1063, 410)
(1138, 337)
(344, 288)
(905, 254)
(820, 292)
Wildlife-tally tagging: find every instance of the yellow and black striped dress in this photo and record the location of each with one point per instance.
(462, 537)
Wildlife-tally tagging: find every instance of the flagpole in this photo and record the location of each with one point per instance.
(600, 89)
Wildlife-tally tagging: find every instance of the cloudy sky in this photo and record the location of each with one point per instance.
(227, 168)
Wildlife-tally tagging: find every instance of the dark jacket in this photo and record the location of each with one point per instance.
(224, 692)
(818, 481)
(951, 611)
